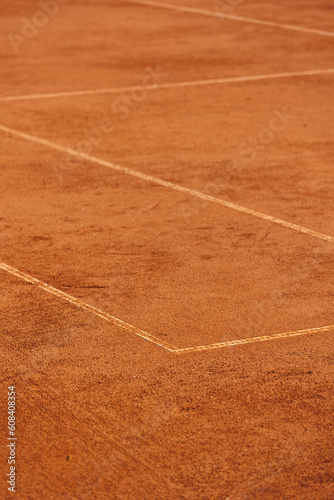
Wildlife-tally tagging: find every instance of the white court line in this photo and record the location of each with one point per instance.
(232, 17)
(141, 333)
(171, 85)
(83, 305)
(167, 184)
(251, 340)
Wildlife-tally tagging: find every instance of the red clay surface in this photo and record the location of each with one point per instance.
(103, 413)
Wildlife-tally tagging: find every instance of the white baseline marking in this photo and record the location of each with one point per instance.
(87, 307)
(232, 17)
(251, 340)
(171, 85)
(167, 184)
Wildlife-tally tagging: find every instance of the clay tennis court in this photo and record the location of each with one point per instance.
(167, 235)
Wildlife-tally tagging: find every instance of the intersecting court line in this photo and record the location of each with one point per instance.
(170, 85)
(141, 333)
(231, 17)
(251, 340)
(167, 184)
(83, 305)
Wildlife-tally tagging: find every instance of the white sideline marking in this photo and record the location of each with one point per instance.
(232, 17)
(167, 184)
(191, 83)
(87, 307)
(255, 339)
